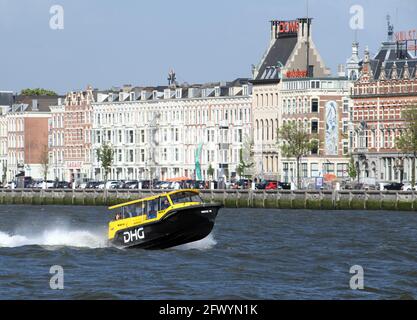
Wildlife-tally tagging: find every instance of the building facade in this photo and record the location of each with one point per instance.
(321, 107)
(288, 79)
(174, 131)
(77, 124)
(27, 134)
(386, 87)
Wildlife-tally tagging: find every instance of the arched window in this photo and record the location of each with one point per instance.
(262, 130)
(267, 129)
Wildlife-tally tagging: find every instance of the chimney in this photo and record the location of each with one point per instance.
(341, 70)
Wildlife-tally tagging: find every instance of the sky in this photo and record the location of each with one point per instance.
(107, 43)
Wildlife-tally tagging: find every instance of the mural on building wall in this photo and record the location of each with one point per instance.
(332, 132)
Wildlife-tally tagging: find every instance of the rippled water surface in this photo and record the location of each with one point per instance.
(252, 254)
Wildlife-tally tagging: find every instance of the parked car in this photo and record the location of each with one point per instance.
(110, 185)
(92, 185)
(200, 184)
(133, 184)
(273, 185)
(394, 186)
(284, 186)
(10, 185)
(62, 185)
(243, 184)
(408, 187)
(262, 185)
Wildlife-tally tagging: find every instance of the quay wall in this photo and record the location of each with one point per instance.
(316, 200)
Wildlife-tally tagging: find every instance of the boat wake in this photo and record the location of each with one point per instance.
(55, 238)
(205, 244)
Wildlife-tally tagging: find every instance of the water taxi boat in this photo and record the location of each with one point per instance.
(162, 221)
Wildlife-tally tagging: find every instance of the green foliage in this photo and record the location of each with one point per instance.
(241, 168)
(352, 169)
(296, 142)
(105, 155)
(407, 142)
(37, 92)
(210, 171)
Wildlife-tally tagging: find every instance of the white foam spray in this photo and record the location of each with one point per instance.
(55, 238)
(204, 244)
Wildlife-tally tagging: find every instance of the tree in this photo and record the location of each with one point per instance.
(105, 155)
(210, 171)
(407, 142)
(352, 169)
(45, 162)
(243, 165)
(295, 142)
(37, 92)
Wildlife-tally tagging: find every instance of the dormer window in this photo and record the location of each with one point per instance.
(155, 95)
(110, 97)
(167, 93)
(178, 93)
(217, 91)
(204, 93)
(245, 90)
(132, 96)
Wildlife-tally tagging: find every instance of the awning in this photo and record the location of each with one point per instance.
(329, 177)
(177, 179)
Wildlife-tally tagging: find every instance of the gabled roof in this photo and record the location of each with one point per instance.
(276, 58)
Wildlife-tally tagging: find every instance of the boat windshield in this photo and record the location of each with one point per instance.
(186, 196)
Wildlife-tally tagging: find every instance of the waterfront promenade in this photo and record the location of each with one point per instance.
(316, 200)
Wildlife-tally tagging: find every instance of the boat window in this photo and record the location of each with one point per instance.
(152, 206)
(183, 197)
(141, 209)
(164, 203)
(129, 212)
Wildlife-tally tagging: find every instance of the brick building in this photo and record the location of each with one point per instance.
(387, 84)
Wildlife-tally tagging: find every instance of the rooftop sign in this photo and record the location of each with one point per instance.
(285, 28)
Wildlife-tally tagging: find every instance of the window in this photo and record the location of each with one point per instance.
(184, 197)
(345, 105)
(304, 170)
(240, 135)
(315, 84)
(131, 155)
(345, 126)
(329, 168)
(345, 147)
(314, 126)
(315, 170)
(342, 170)
(130, 136)
(315, 105)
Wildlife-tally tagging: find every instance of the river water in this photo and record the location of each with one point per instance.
(251, 254)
